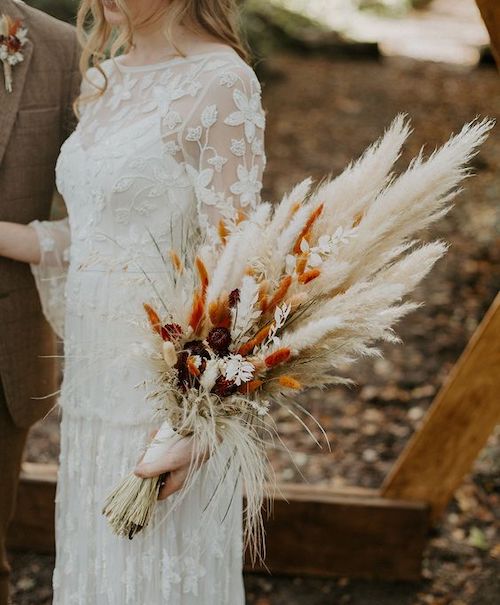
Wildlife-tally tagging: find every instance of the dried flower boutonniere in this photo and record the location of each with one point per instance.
(13, 37)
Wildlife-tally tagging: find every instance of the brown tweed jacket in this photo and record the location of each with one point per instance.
(34, 121)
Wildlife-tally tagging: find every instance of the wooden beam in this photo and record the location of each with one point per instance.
(313, 530)
(324, 532)
(457, 425)
(33, 525)
(490, 12)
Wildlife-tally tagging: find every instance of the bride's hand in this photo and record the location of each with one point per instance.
(176, 463)
(19, 242)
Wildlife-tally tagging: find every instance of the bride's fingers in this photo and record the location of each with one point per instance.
(173, 483)
(156, 468)
(177, 456)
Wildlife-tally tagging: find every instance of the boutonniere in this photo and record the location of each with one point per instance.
(13, 37)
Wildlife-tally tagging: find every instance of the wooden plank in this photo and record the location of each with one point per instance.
(313, 530)
(328, 534)
(490, 12)
(457, 425)
(33, 525)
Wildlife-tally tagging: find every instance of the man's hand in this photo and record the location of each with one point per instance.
(176, 463)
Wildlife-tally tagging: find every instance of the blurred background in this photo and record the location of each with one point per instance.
(334, 74)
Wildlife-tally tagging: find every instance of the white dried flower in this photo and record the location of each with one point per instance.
(210, 374)
(237, 369)
(169, 354)
(261, 406)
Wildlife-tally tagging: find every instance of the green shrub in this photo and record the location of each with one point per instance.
(62, 9)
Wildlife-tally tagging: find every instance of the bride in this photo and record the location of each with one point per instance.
(169, 142)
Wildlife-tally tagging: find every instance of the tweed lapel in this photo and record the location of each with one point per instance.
(9, 102)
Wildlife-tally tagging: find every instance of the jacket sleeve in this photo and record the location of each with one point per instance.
(73, 83)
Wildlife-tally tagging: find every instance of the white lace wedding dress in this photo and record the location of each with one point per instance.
(167, 148)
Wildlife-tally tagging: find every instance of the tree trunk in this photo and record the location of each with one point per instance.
(490, 11)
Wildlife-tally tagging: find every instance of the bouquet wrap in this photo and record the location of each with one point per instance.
(164, 439)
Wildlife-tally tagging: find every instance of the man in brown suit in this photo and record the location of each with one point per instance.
(35, 118)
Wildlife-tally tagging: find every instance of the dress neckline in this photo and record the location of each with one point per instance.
(152, 66)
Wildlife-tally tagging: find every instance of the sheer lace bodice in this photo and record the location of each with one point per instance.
(160, 131)
(168, 149)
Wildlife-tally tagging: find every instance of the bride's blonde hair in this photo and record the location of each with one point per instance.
(215, 17)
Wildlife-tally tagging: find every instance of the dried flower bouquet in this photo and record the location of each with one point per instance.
(288, 295)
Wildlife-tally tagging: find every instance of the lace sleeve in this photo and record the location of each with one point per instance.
(50, 273)
(223, 145)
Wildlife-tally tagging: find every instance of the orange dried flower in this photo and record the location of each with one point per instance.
(308, 276)
(223, 231)
(153, 317)
(277, 357)
(289, 382)
(219, 311)
(247, 347)
(202, 272)
(191, 366)
(251, 386)
(263, 300)
(176, 261)
(357, 219)
(306, 231)
(197, 311)
(280, 293)
(300, 265)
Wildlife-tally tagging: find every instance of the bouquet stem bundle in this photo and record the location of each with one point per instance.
(287, 295)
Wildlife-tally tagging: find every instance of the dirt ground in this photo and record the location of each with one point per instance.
(321, 114)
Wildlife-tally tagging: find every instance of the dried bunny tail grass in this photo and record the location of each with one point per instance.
(219, 310)
(306, 230)
(255, 341)
(153, 318)
(289, 382)
(176, 262)
(280, 293)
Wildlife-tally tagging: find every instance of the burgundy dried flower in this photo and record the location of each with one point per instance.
(234, 298)
(171, 331)
(182, 369)
(219, 339)
(224, 387)
(196, 347)
(14, 43)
